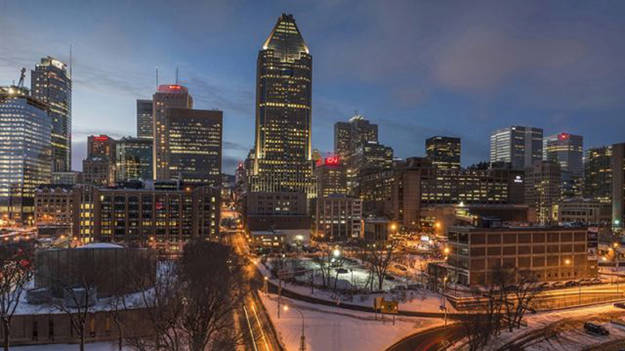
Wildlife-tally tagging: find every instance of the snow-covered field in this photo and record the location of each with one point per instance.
(334, 329)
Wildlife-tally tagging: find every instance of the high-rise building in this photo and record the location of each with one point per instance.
(567, 150)
(604, 178)
(543, 190)
(99, 166)
(331, 176)
(519, 146)
(444, 152)
(52, 84)
(194, 145)
(25, 151)
(144, 119)
(282, 155)
(133, 159)
(348, 135)
(166, 97)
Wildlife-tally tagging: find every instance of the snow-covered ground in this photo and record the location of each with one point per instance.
(565, 327)
(419, 300)
(334, 329)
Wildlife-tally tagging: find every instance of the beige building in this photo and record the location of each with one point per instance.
(338, 218)
(586, 211)
(550, 253)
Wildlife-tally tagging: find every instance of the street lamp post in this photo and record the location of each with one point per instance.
(302, 345)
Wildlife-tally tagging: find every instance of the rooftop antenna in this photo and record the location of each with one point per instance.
(176, 75)
(156, 78)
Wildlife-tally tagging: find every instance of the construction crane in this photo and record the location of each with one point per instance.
(20, 84)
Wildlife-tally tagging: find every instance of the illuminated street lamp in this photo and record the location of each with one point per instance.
(336, 253)
(567, 262)
(446, 250)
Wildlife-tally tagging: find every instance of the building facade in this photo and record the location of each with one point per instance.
(54, 204)
(549, 253)
(282, 150)
(331, 176)
(145, 124)
(444, 152)
(194, 145)
(604, 179)
(338, 218)
(166, 97)
(584, 211)
(348, 135)
(519, 146)
(567, 150)
(163, 219)
(51, 83)
(133, 159)
(543, 190)
(25, 152)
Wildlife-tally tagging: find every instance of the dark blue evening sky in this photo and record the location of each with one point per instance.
(417, 68)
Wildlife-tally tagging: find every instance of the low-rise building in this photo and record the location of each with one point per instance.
(549, 253)
(376, 229)
(54, 204)
(585, 211)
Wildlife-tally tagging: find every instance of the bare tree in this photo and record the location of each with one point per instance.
(378, 256)
(525, 291)
(211, 277)
(327, 261)
(161, 309)
(74, 283)
(15, 273)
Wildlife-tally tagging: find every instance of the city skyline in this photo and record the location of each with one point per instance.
(542, 83)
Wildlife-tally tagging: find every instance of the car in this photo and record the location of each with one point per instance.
(596, 281)
(557, 285)
(389, 277)
(593, 328)
(570, 283)
(620, 305)
(401, 268)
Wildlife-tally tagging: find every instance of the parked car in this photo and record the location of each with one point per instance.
(620, 305)
(593, 328)
(570, 283)
(401, 268)
(557, 285)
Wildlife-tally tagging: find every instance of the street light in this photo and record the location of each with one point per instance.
(302, 345)
(336, 253)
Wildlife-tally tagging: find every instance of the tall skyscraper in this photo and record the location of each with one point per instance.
(167, 96)
(133, 159)
(567, 150)
(52, 84)
(194, 145)
(283, 160)
(543, 190)
(519, 146)
(99, 166)
(604, 179)
(444, 152)
(144, 119)
(348, 135)
(25, 151)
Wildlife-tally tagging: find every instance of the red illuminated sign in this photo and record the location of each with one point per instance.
(101, 138)
(332, 160)
(563, 136)
(174, 87)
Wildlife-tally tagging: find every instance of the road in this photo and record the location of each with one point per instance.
(252, 319)
(430, 340)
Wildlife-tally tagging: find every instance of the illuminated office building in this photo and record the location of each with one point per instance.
(444, 152)
(51, 83)
(543, 190)
(166, 97)
(331, 176)
(99, 166)
(133, 159)
(604, 178)
(25, 152)
(144, 119)
(519, 146)
(348, 135)
(568, 151)
(282, 154)
(194, 145)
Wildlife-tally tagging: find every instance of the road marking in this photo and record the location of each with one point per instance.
(250, 327)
